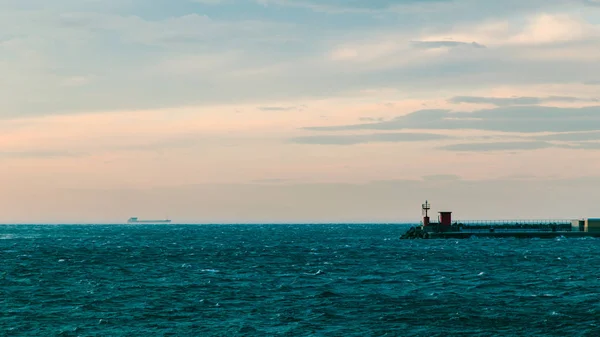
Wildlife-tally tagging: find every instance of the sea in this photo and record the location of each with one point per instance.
(291, 280)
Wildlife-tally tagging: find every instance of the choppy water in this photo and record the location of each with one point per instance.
(291, 280)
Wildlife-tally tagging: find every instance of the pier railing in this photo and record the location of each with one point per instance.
(517, 225)
(515, 222)
(513, 229)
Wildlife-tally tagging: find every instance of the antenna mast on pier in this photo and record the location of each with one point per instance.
(426, 207)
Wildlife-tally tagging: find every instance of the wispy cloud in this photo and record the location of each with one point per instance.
(210, 2)
(511, 146)
(442, 177)
(506, 101)
(371, 119)
(274, 181)
(505, 119)
(278, 108)
(341, 7)
(571, 136)
(438, 44)
(368, 138)
(587, 145)
(497, 146)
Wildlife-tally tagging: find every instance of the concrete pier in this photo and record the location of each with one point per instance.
(509, 234)
(445, 228)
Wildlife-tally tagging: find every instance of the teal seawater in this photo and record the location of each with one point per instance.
(291, 280)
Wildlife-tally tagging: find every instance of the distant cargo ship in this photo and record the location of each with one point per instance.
(136, 220)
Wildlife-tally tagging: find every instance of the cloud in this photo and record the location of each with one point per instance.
(273, 181)
(497, 146)
(344, 7)
(371, 119)
(86, 56)
(442, 177)
(587, 146)
(506, 101)
(504, 119)
(571, 136)
(210, 2)
(592, 2)
(438, 44)
(500, 101)
(539, 29)
(277, 108)
(84, 61)
(464, 9)
(547, 28)
(180, 32)
(116, 56)
(369, 138)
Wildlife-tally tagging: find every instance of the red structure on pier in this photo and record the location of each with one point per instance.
(444, 220)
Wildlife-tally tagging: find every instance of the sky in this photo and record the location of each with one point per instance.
(219, 111)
